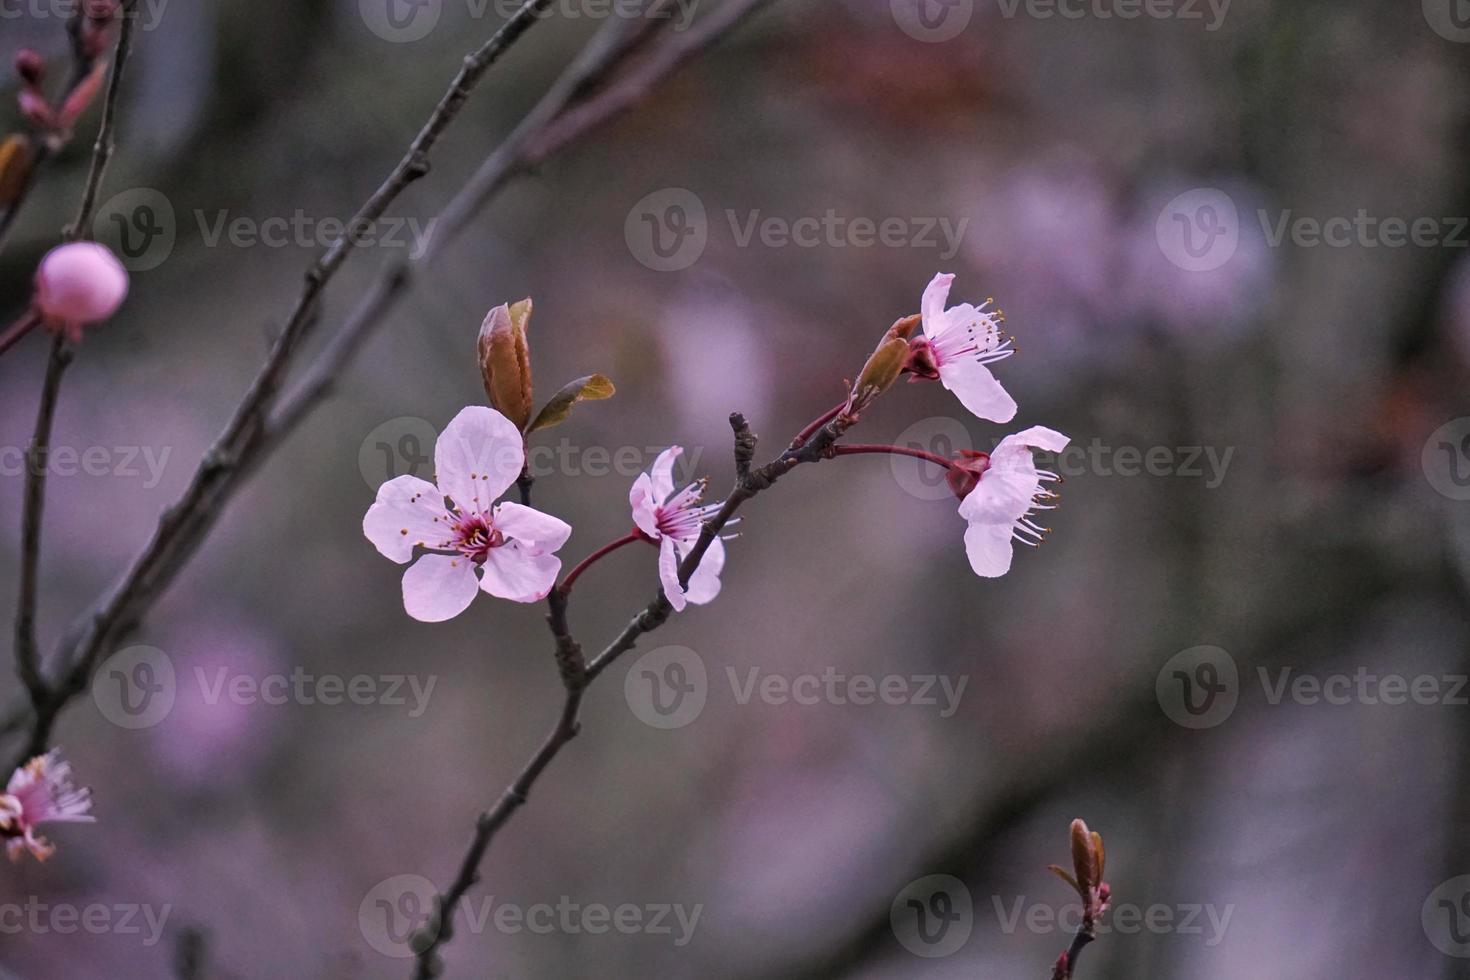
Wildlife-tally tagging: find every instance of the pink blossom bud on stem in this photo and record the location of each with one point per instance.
(78, 284)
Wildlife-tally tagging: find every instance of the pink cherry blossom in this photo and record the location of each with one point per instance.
(957, 345)
(505, 549)
(77, 284)
(1006, 493)
(674, 521)
(40, 792)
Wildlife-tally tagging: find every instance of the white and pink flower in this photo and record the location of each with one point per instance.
(40, 792)
(957, 346)
(674, 521)
(506, 549)
(1001, 493)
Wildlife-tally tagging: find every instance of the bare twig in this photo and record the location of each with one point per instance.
(27, 659)
(102, 150)
(82, 65)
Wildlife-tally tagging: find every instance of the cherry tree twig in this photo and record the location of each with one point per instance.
(27, 656)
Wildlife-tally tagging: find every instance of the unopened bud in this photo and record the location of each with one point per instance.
(884, 365)
(15, 168)
(30, 66)
(77, 284)
(81, 97)
(35, 108)
(505, 361)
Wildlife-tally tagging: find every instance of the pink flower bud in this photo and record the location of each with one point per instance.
(81, 97)
(30, 67)
(35, 108)
(78, 284)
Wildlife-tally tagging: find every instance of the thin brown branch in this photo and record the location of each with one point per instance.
(103, 149)
(27, 657)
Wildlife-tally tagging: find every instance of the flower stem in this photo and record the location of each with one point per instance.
(861, 450)
(815, 424)
(566, 584)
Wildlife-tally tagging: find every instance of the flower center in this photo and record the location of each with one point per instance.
(474, 537)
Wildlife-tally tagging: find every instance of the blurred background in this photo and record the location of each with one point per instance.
(1231, 242)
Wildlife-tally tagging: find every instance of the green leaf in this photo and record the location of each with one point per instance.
(594, 387)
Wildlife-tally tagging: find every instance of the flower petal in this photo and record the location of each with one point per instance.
(977, 390)
(1005, 491)
(1038, 436)
(409, 512)
(931, 307)
(438, 587)
(645, 506)
(989, 547)
(519, 573)
(662, 473)
(704, 584)
(530, 526)
(668, 574)
(478, 456)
